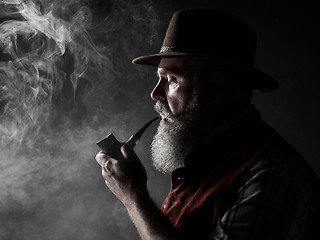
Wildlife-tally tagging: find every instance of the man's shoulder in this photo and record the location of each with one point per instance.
(279, 196)
(286, 163)
(283, 157)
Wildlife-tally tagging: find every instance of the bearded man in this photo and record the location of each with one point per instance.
(233, 176)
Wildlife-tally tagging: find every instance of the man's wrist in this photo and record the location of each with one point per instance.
(137, 199)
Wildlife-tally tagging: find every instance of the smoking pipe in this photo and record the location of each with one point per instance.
(111, 146)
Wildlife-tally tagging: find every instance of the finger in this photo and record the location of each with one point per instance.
(127, 151)
(101, 158)
(106, 173)
(107, 165)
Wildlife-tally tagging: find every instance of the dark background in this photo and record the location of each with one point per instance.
(50, 185)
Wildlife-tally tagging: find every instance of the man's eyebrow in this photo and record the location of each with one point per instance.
(172, 70)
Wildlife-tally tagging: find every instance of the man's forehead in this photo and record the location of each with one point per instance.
(170, 70)
(174, 65)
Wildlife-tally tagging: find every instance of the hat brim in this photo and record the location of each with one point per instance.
(261, 81)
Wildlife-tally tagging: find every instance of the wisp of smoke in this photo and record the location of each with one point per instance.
(62, 67)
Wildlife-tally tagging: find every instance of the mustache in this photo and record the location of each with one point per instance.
(163, 109)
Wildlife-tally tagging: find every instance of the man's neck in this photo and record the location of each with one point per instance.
(217, 119)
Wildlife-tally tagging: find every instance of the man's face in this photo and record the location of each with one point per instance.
(175, 84)
(177, 103)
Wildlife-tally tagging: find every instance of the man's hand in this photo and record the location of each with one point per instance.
(125, 177)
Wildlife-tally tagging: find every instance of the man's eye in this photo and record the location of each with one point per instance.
(171, 78)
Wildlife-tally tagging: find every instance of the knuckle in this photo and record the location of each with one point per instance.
(106, 174)
(99, 156)
(116, 164)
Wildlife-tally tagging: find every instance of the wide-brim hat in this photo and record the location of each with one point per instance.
(216, 35)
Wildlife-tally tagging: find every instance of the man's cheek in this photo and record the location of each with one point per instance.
(176, 105)
(173, 87)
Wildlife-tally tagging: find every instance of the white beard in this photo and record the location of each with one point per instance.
(174, 137)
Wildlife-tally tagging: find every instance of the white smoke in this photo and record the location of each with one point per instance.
(63, 67)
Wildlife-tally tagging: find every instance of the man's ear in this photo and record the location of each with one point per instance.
(219, 86)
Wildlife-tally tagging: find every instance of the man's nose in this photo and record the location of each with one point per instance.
(159, 93)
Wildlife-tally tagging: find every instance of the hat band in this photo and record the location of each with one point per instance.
(237, 59)
(167, 49)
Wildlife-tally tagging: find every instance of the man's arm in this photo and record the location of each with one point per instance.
(127, 179)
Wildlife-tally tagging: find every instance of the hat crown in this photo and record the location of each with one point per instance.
(213, 33)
